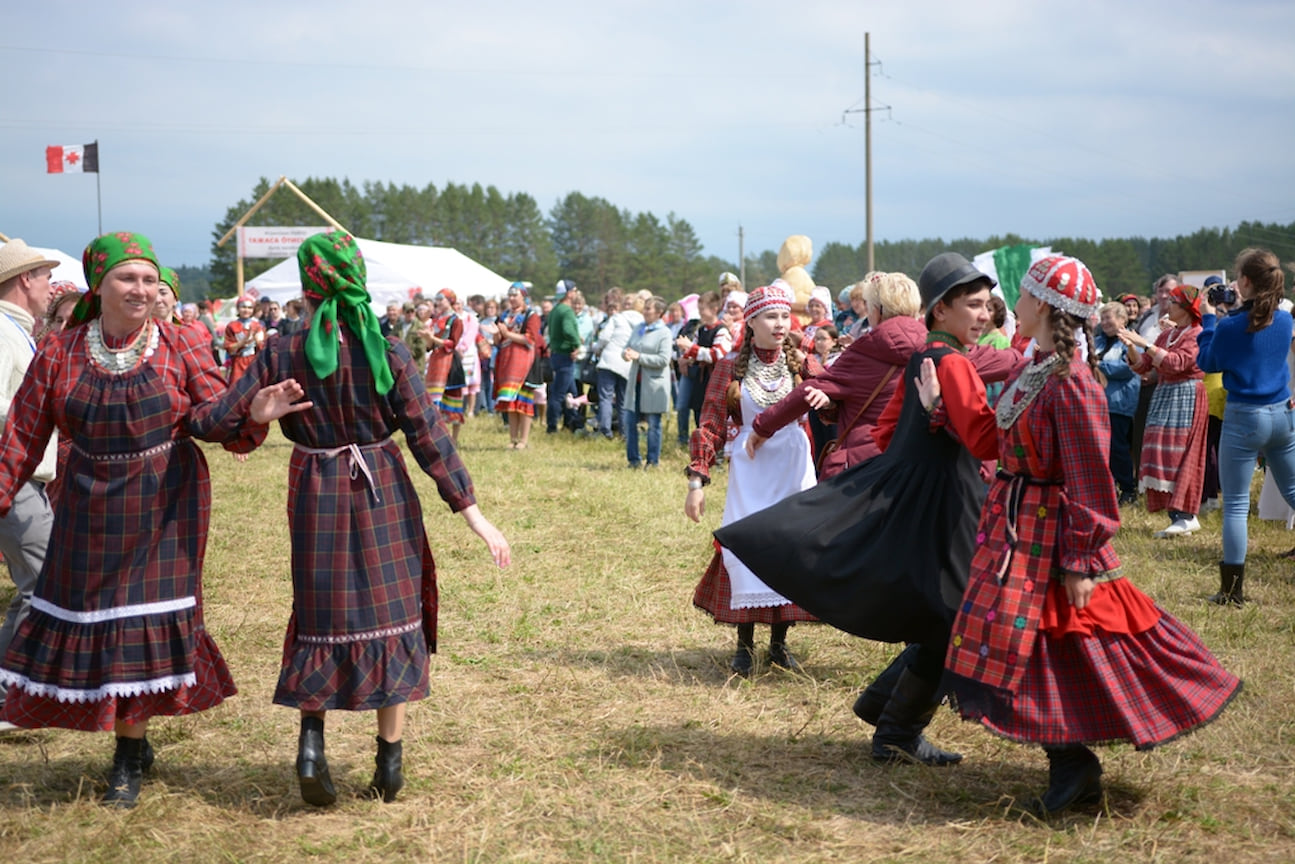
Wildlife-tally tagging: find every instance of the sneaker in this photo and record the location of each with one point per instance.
(1179, 527)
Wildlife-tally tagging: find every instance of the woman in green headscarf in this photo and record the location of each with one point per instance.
(364, 583)
(116, 634)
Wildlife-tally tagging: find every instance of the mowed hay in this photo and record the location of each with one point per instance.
(582, 710)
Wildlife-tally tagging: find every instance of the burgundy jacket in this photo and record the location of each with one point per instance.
(851, 380)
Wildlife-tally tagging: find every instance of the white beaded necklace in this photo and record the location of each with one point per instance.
(119, 360)
(772, 381)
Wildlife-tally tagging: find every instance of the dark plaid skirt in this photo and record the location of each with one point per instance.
(714, 593)
(364, 584)
(129, 537)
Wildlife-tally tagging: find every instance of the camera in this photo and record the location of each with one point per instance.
(1222, 295)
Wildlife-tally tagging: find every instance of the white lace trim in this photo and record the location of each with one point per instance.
(758, 600)
(126, 688)
(348, 638)
(1156, 485)
(95, 616)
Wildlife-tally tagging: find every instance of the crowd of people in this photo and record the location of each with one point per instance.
(909, 461)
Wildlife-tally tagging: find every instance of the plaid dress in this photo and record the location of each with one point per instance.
(364, 583)
(1024, 662)
(116, 628)
(235, 330)
(1172, 467)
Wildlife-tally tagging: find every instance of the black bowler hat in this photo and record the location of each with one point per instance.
(944, 271)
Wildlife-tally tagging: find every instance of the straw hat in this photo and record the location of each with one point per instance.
(16, 258)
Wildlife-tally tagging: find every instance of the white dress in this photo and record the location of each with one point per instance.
(782, 466)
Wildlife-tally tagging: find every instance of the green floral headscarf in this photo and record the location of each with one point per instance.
(172, 279)
(103, 254)
(333, 277)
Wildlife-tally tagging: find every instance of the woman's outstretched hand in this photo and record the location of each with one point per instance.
(277, 400)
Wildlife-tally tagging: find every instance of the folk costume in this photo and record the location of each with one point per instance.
(1172, 471)
(446, 393)
(364, 583)
(1023, 660)
(513, 394)
(882, 549)
(116, 631)
(729, 590)
(243, 339)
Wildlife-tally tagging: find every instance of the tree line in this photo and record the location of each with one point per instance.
(598, 245)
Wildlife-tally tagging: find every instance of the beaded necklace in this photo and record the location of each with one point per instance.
(119, 360)
(769, 379)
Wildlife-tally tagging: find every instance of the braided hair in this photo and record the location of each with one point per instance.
(1064, 326)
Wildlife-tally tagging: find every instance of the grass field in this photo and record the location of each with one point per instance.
(581, 710)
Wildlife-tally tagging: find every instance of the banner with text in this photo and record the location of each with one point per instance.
(274, 242)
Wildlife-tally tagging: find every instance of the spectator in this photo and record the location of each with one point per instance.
(697, 357)
(647, 390)
(518, 338)
(1122, 387)
(613, 368)
(1173, 450)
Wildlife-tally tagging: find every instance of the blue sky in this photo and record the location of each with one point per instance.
(1093, 119)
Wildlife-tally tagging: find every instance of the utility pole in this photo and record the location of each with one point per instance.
(866, 111)
(741, 257)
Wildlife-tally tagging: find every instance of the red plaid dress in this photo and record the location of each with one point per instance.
(1172, 465)
(513, 363)
(364, 583)
(1026, 663)
(714, 592)
(116, 628)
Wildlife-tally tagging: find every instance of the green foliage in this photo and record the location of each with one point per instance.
(598, 245)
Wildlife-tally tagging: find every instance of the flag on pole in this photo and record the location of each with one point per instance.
(1006, 265)
(72, 159)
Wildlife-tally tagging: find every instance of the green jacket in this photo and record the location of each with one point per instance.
(564, 331)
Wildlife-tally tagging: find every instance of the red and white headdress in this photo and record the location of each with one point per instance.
(1063, 282)
(775, 296)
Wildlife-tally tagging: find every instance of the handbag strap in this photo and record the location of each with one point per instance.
(840, 435)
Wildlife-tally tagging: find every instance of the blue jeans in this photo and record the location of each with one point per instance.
(1249, 430)
(562, 385)
(611, 396)
(683, 396)
(630, 428)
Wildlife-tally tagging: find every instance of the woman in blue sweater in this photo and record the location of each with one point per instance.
(1249, 347)
(1122, 388)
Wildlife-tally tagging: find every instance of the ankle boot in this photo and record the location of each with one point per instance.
(387, 776)
(1074, 777)
(872, 701)
(126, 774)
(744, 657)
(899, 736)
(312, 767)
(778, 653)
(1232, 579)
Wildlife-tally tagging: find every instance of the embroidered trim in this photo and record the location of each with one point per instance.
(95, 616)
(127, 688)
(1022, 392)
(757, 601)
(124, 457)
(369, 636)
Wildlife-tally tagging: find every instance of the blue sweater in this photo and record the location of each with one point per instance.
(1253, 364)
(1122, 385)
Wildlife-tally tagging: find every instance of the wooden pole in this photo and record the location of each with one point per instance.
(867, 138)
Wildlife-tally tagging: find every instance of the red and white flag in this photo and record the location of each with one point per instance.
(72, 159)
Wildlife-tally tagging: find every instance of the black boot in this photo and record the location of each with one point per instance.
(1232, 578)
(387, 777)
(126, 774)
(872, 701)
(899, 736)
(312, 767)
(778, 653)
(744, 657)
(1074, 777)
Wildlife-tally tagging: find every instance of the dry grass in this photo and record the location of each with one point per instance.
(581, 711)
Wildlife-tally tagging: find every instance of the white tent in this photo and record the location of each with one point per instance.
(68, 269)
(396, 273)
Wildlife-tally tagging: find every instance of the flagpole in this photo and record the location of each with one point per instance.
(98, 192)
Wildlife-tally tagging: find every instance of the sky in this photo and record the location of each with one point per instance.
(1044, 119)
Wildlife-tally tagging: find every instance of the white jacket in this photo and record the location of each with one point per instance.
(612, 339)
